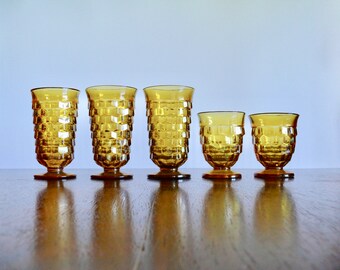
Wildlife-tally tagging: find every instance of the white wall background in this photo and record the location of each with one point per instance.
(248, 55)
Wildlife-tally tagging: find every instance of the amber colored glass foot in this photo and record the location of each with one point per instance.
(112, 175)
(54, 176)
(274, 174)
(169, 175)
(222, 174)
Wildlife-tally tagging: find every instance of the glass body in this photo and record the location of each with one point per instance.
(54, 117)
(221, 135)
(111, 110)
(274, 137)
(169, 117)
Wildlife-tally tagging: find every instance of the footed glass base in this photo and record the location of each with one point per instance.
(112, 175)
(169, 175)
(274, 174)
(54, 175)
(222, 174)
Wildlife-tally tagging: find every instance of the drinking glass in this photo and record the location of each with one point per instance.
(54, 117)
(111, 110)
(221, 134)
(168, 112)
(274, 138)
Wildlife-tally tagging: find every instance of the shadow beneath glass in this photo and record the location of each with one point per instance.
(55, 232)
(112, 236)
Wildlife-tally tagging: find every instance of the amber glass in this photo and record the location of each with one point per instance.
(168, 112)
(274, 137)
(111, 110)
(221, 136)
(54, 117)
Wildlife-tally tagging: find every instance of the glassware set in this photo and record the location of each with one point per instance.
(168, 109)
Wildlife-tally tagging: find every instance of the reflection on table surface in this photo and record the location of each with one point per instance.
(55, 231)
(275, 225)
(195, 224)
(275, 214)
(112, 234)
(223, 226)
(169, 240)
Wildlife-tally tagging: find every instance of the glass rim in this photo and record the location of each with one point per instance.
(207, 112)
(114, 86)
(161, 87)
(54, 88)
(274, 113)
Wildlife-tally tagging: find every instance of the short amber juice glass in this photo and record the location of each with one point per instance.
(111, 110)
(169, 117)
(274, 137)
(54, 117)
(221, 134)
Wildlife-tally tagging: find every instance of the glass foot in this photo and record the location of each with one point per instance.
(169, 175)
(56, 176)
(222, 174)
(111, 176)
(274, 174)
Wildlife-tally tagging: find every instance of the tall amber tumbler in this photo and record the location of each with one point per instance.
(169, 117)
(54, 117)
(274, 138)
(221, 134)
(111, 110)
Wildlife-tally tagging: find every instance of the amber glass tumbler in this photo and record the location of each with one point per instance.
(111, 110)
(221, 134)
(169, 117)
(274, 137)
(54, 117)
